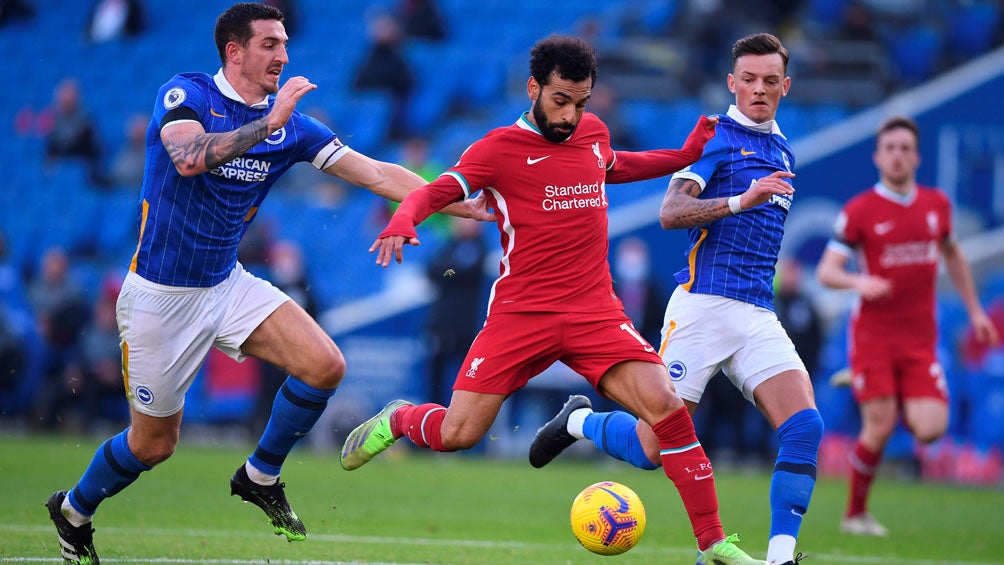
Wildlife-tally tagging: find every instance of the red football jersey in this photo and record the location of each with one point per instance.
(551, 205)
(898, 238)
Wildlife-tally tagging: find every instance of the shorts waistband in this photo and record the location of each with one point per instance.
(150, 286)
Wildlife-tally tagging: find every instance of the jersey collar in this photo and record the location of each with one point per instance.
(524, 123)
(890, 194)
(224, 85)
(769, 126)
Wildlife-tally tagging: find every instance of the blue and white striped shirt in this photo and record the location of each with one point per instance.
(735, 256)
(189, 227)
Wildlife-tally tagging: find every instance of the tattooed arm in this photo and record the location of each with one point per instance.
(681, 207)
(194, 151)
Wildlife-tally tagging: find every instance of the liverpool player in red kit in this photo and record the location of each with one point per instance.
(896, 230)
(546, 178)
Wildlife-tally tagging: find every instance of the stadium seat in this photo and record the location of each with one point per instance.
(915, 53)
(973, 27)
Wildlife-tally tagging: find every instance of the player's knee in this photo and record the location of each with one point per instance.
(880, 424)
(459, 440)
(810, 425)
(928, 432)
(879, 431)
(657, 408)
(456, 438)
(330, 370)
(154, 452)
(801, 434)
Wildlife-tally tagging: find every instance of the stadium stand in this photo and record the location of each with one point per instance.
(471, 81)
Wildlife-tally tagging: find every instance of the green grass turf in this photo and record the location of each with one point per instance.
(415, 507)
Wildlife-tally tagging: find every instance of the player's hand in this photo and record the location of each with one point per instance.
(285, 101)
(699, 136)
(763, 189)
(984, 329)
(478, 208)
(871, 287)
(391, 246)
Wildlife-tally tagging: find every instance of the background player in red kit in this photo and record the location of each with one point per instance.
(546, 179)
(896, 230)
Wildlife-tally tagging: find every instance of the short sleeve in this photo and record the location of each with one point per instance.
(176, 94)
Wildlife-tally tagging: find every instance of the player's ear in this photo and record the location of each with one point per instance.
(731, 81)
(532, 88)
(233, 51)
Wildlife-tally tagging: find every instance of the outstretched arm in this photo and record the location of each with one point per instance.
(681, 207)
(395, 182)
(643, 165)
(194, 151)
(415, 207)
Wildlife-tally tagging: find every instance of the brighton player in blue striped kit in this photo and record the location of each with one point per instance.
(733, 202)
(215, 146)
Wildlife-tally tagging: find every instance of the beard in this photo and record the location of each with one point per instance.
(547, 129)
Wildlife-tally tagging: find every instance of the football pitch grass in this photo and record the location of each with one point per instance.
(416, 507)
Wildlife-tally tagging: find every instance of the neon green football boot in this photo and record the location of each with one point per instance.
(371, 438)
(726, 552)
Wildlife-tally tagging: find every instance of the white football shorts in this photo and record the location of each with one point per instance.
(705, 333)
(165, 332)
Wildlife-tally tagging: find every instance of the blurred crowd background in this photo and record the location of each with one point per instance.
(416, 81)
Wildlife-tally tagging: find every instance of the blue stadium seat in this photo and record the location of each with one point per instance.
(915, 52)
(826, 14)
(362, 119)
(973, 27)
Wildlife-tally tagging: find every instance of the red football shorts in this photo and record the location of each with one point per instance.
(514, 347)
(900, 371)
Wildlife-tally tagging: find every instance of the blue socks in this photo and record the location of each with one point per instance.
(794, 471)
(614, 433)
(113, 468)
(296, 409)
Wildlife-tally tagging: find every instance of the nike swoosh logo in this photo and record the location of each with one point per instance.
(746, 153)
(883, 228)
(215, 113)
(530, 161)
(795, 513)
(702, 477)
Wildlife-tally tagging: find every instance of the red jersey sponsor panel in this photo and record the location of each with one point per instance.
(898, 238)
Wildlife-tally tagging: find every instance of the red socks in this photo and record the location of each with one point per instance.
(864, 466)
(422, 424)
(684, 462)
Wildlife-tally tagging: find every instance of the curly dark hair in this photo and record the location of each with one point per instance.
(570, 57)
(235, 24)
(759, 44)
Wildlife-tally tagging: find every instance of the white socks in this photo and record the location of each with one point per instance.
(780, 549)
(576, 420)
(71, 514)
(257, 476)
